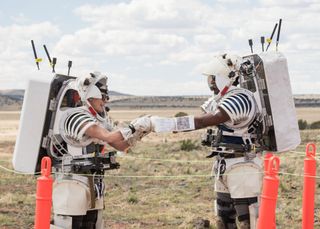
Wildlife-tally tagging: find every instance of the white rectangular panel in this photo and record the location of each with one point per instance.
(32, 119)
(281, 101)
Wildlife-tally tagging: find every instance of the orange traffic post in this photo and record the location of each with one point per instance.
(266, 159)
(309, 187)
(44, 196)
(269, 195)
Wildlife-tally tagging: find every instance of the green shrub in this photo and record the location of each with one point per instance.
(315, 125)
(132, 199)
(302, 124)
(180, 114)
(188, 145)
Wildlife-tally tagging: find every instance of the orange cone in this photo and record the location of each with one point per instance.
(44, 195)
(269, 195)
(309, 186)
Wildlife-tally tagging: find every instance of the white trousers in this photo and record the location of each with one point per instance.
(72, 196)
(240, 177)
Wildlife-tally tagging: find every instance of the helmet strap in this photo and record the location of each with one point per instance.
(224, 90)
(91, 109)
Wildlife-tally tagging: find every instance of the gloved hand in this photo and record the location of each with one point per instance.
(143, 124)
(137, 129)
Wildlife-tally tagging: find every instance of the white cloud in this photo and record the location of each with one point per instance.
(287, 3)
(157, 44)
(16, 56)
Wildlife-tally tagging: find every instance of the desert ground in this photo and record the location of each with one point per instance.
(158, 185)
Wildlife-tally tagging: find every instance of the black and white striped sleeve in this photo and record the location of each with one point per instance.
(240, 107)
(76, 124)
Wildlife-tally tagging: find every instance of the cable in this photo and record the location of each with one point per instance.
(165, 160)
(154, 176)
(16, 172)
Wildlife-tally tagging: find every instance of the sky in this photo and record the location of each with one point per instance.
(154, 47)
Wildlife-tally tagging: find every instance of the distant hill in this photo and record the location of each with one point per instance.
(115, 93)
(12, 100)
(158, 101)
(13, 94)
(19, 93)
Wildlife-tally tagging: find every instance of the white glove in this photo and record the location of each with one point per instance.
(143, 124)
(137, 129)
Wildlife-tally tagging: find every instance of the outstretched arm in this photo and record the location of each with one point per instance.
(124, 138)
(115, 138)
(211, 119)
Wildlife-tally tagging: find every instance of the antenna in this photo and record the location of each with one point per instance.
(69, 66)
(35, 55)
(278, 35)
(269, 40)
(48, 55)
(262, 43)
(52, 63)
(250, 44)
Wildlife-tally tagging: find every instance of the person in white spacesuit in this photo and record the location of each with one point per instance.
(80, 134)
(238, 166)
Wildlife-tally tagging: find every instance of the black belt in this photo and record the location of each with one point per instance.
(226, 155)
(232, 155)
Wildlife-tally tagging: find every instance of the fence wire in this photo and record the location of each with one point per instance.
(298, 154)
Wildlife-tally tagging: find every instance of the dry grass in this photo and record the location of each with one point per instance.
(152, 202)
(310, 114)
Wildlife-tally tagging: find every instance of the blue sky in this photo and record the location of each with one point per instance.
(154, 47)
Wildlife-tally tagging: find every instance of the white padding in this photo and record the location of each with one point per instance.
(70, 197)
(32, 120)
(244, 180)
(281, 100)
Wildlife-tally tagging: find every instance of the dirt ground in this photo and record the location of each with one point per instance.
(158, 185)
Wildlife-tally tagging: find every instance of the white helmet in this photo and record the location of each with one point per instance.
(93, 86)
(93, 92)
(223, 69)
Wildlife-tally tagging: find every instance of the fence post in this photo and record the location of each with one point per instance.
(269, 195)
(44, 196)
(309, 185)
